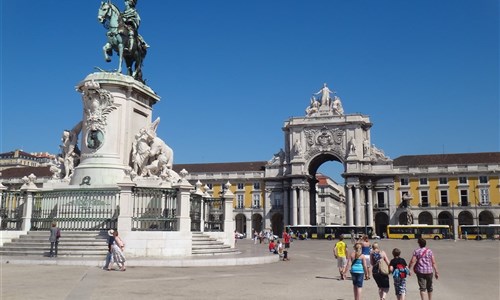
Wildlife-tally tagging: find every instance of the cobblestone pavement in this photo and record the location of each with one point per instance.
(468, 270)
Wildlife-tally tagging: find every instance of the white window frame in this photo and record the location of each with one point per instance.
(422, 198)
(256, 200)
(484, 196)
(240, 201)
(461, 196)
(446, 196)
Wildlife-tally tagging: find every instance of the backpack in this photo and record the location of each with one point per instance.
(383, 267)
(401, 271)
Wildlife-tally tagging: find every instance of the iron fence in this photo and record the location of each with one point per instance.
(154, 209)
(76, 210)
(11, 210)
(214, 214)
(195, 212)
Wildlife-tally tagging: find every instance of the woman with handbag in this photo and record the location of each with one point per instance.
(380, 270)
(424, 262)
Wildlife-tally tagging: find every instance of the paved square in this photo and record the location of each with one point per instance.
(468, 270)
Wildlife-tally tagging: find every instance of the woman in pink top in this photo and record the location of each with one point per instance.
(424, 262)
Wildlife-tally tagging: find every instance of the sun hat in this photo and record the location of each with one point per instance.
(111, 232)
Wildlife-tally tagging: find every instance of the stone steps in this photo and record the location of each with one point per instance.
(94, 244)
(203, 245)
(71, 244)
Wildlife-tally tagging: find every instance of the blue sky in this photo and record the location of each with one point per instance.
(230, 73)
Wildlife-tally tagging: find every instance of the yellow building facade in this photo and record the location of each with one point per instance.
(449, 189)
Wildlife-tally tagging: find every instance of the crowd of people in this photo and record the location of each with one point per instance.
(275, 246)
(369, 260)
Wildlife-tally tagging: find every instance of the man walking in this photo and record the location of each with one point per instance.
(340, 253)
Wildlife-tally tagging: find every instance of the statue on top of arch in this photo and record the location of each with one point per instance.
(325, 103)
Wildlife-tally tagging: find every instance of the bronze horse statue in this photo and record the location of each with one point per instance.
(118, 36)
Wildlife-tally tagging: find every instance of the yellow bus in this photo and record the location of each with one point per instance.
(406, 232)
(479, 232)
(329, 232)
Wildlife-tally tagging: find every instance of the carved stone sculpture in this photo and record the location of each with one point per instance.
(378, 154)
(70, 154)
(325, 95)
(337, 106)
(151, 156)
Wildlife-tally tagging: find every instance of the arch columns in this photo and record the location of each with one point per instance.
(301, 206)
(286, 207)
(370, 206)
(357, 206)
(294, 206)
(349, 217)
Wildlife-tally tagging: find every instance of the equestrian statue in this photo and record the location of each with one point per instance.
(123, 36)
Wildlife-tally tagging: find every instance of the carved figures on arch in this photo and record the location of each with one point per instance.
(377, 154)
(337, 106)
(352, 147)
(313, 108)
(278, 158)
(325, 95)
(366, 148)
(324, 139)
(297, 148)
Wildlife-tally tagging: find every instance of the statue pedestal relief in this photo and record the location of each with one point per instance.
(115, 108)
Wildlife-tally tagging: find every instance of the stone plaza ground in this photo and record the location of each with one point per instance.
(468, 270)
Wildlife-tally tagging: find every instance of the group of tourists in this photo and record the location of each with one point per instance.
(276, 246)
(368, 260)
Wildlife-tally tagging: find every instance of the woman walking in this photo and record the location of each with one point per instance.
(366, 249)
(117, 252)
(424, 261)
(358, 270)
(379, 257)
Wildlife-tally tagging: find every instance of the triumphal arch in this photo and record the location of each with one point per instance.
(327, 133)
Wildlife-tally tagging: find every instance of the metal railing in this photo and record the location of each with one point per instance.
(75, 209)
(11, 210)
(213, 214)
(154, 209)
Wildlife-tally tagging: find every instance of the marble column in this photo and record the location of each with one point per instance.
(294, 206)
(357, 206)
(370, 206)
(301, 206)
(349, 219)
(307, 206)
(286, 207)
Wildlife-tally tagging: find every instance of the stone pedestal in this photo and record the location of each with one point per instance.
(115, 108)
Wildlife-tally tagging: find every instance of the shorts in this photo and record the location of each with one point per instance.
(341, 262)
(424, 282)
(287, 245)
(381, 280)
(357, 279)
(400, 286)
(368, 261)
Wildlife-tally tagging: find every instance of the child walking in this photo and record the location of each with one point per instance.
(400, 271)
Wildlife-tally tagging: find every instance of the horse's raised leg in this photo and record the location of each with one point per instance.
(107, 52)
